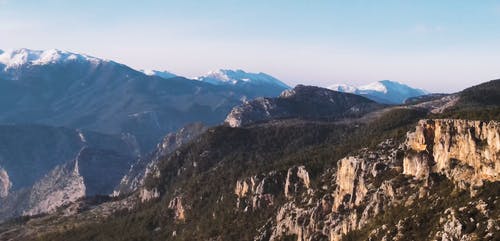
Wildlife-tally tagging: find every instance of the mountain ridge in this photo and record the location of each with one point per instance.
(404, 168)
(302, 102)
(19, 57)
(110, 97)
(383, 91)
(239, 77)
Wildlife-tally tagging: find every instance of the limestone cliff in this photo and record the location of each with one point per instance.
(62, 186)
(465, 151)
(5, 183)
(258, 191)
(403, 176)
(345, 189)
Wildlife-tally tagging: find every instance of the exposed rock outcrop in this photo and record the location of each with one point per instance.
(365, 185)
(465, 151)
(62, 186)
(5, 183)
(147, 165)
(351, 188)
(176, 204)
(355, 193)
(258, 191)
(297, 180)
(146, 195)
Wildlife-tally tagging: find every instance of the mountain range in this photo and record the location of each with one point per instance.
(384, 91)
(60, 88)
(425, 170)
(118, 153)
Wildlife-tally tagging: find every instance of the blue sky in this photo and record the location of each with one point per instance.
(441, 46)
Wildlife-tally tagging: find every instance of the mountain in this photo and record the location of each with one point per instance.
(15, 59)
(35, 163)
(302, 102)
(384, 91)
(136, 175)
(405, 173)
(248, 81)
(163, 74)
(240, 77)
(59, 88)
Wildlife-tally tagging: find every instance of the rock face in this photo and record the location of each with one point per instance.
(465, 151)
(62, 186)
(92, 172)
(303, 102)
(146, 195)
(258, 191)
(363, 186)
(176, 204)
(37, 150)
(297, 180)
(147, 165)
(351, 188)
(261, 191)
(332, 214)
(5, 183)
(38, 167)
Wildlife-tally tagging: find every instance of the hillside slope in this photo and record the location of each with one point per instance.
(398, 176)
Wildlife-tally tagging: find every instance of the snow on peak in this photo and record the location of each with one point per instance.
(378, 86)
(162, 74)
(384, 91)
(343, 88)
(19, 57)
(237, 77)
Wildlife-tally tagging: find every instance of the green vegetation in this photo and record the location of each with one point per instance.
(481, 102)
(211, 165)
(420, 221)
(204, 173)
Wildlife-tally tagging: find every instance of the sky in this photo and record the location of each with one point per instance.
(441, 46)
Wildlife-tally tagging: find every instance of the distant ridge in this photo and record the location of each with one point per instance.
(384, 91)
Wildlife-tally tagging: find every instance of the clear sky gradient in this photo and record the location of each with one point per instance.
(442, 46)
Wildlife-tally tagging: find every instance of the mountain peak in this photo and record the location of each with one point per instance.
(302, 102)
(383, 91)
(19, 57)
(160, 73)
(240, 77)
(343, 88)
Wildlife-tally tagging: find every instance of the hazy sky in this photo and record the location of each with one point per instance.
(437, 45)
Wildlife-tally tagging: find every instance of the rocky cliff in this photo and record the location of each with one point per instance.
(91, 172)
(145, 166)
(61, 186)
(350, 198)
(38, 162)
(391, 191)
(465, 151)
(346, 198)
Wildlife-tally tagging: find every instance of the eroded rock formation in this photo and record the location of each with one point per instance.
(465, 151)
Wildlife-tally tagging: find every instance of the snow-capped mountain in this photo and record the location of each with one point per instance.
(20, 57)
(247, 82)
(60, 88)
(343, 88)
(160, 73)
(240, 77)
(384, 91)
